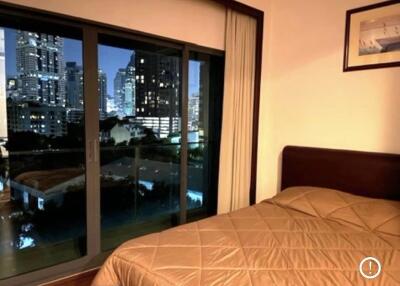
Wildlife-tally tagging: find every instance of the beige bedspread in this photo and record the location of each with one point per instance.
(303, 236)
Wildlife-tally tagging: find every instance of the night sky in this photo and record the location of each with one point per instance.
(110, 60)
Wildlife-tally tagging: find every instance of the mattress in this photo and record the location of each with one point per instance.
(302, 236)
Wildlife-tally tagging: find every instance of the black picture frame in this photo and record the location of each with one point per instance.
(346, 66)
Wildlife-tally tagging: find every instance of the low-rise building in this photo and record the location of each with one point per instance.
(42, 119)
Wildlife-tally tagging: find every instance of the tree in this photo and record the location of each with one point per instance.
(196, 153)
(26, 140)
(122, 144)
(149, 137)
(109, 143)
(74, 138)
(134, 141)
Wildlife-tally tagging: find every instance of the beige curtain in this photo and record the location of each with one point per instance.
(237, 119)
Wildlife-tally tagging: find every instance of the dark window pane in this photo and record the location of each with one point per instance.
(204, 125)
(42, 162)
(139, 94)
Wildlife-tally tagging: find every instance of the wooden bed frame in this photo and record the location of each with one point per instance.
(368, 174)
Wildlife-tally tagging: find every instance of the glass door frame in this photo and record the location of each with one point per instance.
(91, 31)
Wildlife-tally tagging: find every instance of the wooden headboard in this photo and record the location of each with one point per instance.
(368, 174)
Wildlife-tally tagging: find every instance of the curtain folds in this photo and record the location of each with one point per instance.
(237, 118)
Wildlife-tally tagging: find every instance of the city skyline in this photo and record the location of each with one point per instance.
(45, 85)
(44, 119)
(121, 58)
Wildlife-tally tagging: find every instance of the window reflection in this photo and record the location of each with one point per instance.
(204, 112)
(139, 154)
(42, 170)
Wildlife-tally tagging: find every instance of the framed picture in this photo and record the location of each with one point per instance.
(373, 36)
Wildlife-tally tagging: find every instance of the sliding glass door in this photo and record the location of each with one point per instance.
(140, 123)
(105, 135)
(205, 88)
(42, 144)
(140, 111)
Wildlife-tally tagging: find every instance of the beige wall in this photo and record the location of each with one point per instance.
(306, 98)
(201, 22)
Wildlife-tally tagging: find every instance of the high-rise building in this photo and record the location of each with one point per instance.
(130, 88)
(204, 88)
(3, 98)
(119, 91)
(193, 111)
(161, 126)
(157, 87)
(111, 107)
(102, 88)
(74, 115)
(40, 64)
(73, 85)
(13, 87)
(125, 89)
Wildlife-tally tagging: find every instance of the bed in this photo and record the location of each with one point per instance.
(337, 208)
